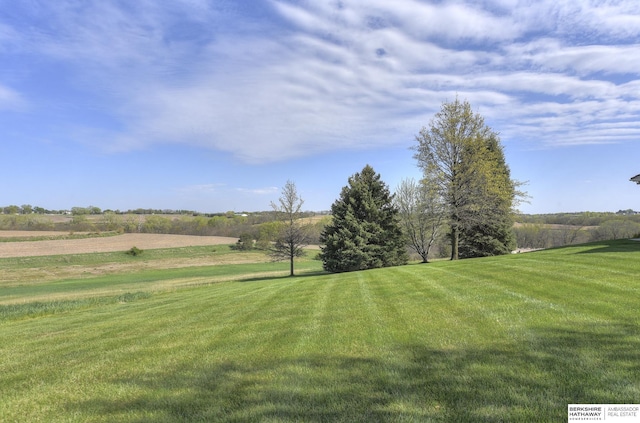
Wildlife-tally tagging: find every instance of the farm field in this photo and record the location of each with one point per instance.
(511, 338)
(113, 243)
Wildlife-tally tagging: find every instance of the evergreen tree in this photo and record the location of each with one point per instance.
(365, 232)
(488, 229)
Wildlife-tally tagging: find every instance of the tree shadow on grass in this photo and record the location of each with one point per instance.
(613, 246)
(302, 274)
(532, 381)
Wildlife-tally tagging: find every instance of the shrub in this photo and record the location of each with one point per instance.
(134, 251)
(245, 242)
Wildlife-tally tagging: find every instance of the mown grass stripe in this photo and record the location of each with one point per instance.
(579, 292)
(318, 307)
(38, 309)
(476, 340)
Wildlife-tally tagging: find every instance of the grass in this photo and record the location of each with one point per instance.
(29, 280)
(96, 259)
(70, 235)
(20, 271)
(512, 338)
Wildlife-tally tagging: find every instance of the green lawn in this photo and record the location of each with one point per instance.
(512, 338)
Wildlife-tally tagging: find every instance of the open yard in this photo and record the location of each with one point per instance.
(513, 338)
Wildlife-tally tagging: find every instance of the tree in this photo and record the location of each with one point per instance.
(13, 209)
(76, 211)
(488, 228)
(155, 224)
(422, 211)
(615, 229)
(267, 234)
(111, 221)
(463, 158)
(292, 237)
(365, 232)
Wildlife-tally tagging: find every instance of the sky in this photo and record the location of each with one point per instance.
(213, 105)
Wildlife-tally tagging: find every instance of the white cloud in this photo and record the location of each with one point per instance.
(8, 37)
(346, 75)
(608, 19)
(453, 20)
(546, 124)
(554, 55)
(214, 190)
(201, 189)
(11, 100)
(259, 191)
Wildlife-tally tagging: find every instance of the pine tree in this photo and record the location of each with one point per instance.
(365, 232)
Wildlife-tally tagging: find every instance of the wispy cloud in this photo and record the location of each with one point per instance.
(344, 75)
(11, 100)
(202, 189)
(220, 188)
(259, 191)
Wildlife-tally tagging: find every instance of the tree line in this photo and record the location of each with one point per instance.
(585, 219)
(94, 210)
(258, 226)
(466, 195)
(544, 235)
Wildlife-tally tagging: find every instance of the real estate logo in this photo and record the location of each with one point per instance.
(615, 413)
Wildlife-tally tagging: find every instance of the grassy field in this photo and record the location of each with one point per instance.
(512, 338)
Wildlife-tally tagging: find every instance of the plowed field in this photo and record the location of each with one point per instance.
(103, 244)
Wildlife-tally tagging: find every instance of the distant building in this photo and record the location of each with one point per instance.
(636, 179)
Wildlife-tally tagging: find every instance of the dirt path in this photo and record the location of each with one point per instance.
(106, 244)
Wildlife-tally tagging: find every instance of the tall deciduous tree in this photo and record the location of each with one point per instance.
(365, 232)
(293, 234)
(463, 157)
(422, 211)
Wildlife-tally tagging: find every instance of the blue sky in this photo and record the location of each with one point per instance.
(214, 105)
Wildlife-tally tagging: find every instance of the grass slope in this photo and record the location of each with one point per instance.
(512, 338)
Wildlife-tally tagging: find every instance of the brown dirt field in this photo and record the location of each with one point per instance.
(107, 244)
(28, 234)
(553, 226)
